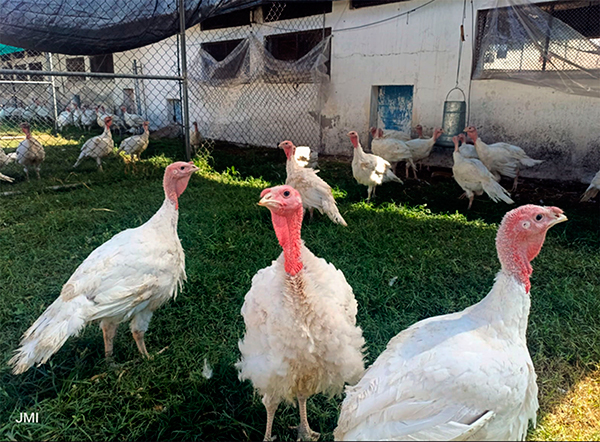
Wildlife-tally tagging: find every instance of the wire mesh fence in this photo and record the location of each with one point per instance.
(253, 76)
(260, 83)
(555, 44)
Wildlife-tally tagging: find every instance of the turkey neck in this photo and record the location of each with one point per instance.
(509, 302)
(291, 165)
(287, 229)
(173, 189)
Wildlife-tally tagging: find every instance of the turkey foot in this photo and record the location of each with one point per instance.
(304, 431)
(515, 182)
(463, 196)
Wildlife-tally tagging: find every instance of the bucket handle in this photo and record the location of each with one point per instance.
(455, 88)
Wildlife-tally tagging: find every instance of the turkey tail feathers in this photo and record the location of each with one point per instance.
(530, 162)
(389, 176)
(496, 192)
(49, 332)
(590, 193)
(332, 211)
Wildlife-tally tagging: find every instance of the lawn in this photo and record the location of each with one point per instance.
(443, 259)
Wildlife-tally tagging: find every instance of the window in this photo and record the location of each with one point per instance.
(220, 49)
(292, 47)
(364, 3)
(285, 11)
(76, 65)
(295, 45)
(102, 63)
(21, 67)
(36, 67)
(128, 98)
(236, 18)
(505, 46)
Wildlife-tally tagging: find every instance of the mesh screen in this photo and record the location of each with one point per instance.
(555, 44)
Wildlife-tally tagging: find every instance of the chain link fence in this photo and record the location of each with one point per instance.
(260, 82)
(253, 76)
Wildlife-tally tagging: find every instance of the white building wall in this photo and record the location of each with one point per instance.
(419, 50)
(422, 50)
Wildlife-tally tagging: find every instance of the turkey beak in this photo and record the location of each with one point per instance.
(268, 201)
(559, 219)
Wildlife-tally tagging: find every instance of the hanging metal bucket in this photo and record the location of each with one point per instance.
(454, 119)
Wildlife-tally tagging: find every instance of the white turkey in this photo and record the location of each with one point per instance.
(474, 178)
(315, 193)
(100, 116)
(88, 118)
(30, 152)
(501, 158)
(64, 119)
(593, 189)
(467, 150)
(6, 178)
(421, 148)
(300, 316)
(77, 115)
(99, 146)
(195, 138)
(390, 133)
(462, 376)
(4, 160)
(391, 149)
(398, 134)
(133, 121)
(135, 145)
(125, 279)
(305, 157)
(368, 169)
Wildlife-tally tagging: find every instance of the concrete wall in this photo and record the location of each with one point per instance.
(422, 50)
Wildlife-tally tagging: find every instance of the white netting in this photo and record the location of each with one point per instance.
(253, 97)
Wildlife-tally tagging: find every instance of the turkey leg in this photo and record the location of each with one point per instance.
(138, 335)
(304, 431)
(514, 187)
(109, 330)
(271, 407)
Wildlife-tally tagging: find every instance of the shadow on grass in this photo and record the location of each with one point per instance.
(443, 261)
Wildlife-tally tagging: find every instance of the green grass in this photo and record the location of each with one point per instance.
(443, 257)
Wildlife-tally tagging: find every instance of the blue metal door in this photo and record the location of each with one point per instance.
(177, 111)
(394, 107)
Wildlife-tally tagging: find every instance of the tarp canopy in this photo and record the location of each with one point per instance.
(94, 27)
(4, 49)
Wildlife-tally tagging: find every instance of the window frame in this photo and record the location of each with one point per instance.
(72, 60)
(268, 43)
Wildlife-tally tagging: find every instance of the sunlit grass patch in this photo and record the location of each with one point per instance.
(412, 253)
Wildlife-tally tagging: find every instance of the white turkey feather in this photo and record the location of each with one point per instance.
(440, 378)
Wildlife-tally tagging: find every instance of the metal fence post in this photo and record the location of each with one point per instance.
(53, 91)
(184, 80)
